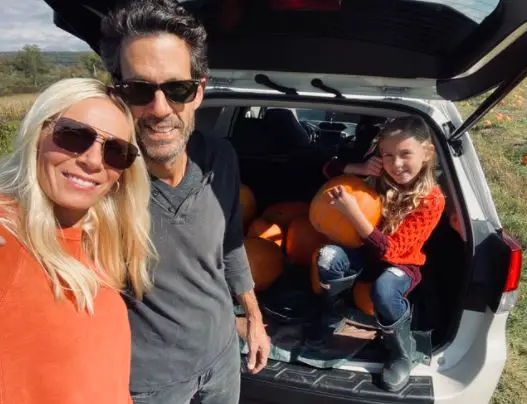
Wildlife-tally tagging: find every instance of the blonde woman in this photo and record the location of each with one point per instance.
(74, 216)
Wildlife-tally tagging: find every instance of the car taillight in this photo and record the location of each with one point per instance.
(306, 5)
(515, 263)
(510, 290)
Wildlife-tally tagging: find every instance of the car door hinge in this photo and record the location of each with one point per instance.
(457, 146)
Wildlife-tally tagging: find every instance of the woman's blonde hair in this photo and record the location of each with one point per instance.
(115, 231)
(399, 202)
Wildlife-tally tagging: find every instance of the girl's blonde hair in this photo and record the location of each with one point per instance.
(399, 202)
(115, 231)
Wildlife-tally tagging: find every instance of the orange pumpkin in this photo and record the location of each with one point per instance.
(361, 297)
(248, 205)
(266, 261)
(302, 240)
(326, 219)
(267, 230)
(284, 212)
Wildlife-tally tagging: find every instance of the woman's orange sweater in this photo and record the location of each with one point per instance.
(50, 352)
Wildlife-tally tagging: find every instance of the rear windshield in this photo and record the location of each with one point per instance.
(428, 26)
(476, 10)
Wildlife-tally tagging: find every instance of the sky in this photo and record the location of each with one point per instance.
(31, 22)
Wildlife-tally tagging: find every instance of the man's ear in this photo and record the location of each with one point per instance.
(201, 92)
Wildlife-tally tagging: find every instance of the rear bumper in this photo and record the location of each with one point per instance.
(287, 383)
(467, 371)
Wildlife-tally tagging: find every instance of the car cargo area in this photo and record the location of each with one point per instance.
(282, 151)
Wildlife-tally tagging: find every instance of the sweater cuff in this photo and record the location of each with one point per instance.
(378, 241)
(241, 283)
(237, 271)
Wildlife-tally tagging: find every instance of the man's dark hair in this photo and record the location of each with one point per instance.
(139, 18)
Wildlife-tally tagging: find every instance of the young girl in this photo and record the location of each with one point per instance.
(412, 207)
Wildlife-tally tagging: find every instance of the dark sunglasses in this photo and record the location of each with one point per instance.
(139, 92)
(77, 137)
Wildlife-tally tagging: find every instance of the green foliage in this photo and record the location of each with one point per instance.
(30, 70)
(32, 63)
(7, 134)
(92, 63)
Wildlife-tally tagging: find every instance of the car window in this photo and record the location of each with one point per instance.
(476, 10)
(316, 124)
(429, 26)
(310, 114)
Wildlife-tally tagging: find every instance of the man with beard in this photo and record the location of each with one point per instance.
(184, 341)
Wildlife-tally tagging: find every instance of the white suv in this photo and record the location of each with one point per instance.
(316, 66)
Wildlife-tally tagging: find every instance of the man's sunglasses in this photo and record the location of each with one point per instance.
(77, 137)
(139, 92)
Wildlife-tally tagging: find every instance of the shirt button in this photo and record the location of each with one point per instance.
(171, 210)
(155, 192)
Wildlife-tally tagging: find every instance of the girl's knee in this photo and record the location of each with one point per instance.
(330, 256)
(332, 262)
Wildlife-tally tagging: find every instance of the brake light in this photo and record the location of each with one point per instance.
(515, 263)
(306, 5)
(510, 293)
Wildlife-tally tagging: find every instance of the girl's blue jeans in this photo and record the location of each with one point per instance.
(388, 291)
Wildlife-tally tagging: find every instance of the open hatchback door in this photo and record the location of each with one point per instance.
(404, 48)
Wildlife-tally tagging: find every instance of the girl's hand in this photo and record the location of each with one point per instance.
(343, 201)
(372, 167)
(348, 205)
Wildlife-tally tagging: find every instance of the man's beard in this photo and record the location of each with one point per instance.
(164, 151)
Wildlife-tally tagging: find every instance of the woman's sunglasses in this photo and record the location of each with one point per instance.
(139, 92)
(77, 137)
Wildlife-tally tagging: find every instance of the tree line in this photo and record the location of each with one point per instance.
(30, 70)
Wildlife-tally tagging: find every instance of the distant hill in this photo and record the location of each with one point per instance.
(59, 58)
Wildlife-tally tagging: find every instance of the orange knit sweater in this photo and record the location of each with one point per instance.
(404, 247)
(50, 352)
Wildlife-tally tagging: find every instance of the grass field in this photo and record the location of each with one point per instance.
(501, 142)
(13, 107)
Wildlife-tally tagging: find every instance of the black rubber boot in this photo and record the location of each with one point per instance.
(328, 319)
(398, 339)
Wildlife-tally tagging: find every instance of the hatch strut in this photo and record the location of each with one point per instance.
(264, 80)
(497, 95)
(320, 84)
